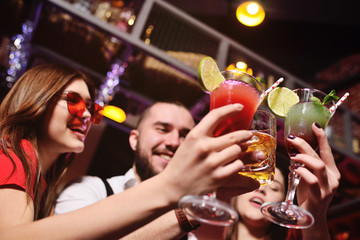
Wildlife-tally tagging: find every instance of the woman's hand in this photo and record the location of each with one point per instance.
(319, 178)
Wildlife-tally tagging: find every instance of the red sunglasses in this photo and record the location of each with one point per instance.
(77, 105)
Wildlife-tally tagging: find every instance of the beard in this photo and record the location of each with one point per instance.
(143, 166)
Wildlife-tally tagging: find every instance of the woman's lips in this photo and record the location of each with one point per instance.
(256, 201)
(79, 131)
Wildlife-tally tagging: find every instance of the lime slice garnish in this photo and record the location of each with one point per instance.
(281, 99)
(209, 74)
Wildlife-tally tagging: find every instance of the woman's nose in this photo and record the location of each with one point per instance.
(86, 114)
(261, 189)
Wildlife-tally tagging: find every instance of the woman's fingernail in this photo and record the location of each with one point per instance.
(317, 125)
(291, 136)
(293, 154)
(238, 106)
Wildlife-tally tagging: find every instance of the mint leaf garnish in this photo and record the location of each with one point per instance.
(330, 97)
(315, 100)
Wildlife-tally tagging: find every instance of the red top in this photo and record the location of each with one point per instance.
(18, 177)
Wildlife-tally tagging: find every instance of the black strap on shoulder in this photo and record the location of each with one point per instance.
(109, 190)
(184, 237)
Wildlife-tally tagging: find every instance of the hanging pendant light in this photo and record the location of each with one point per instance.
(250, 13)
(114, 113)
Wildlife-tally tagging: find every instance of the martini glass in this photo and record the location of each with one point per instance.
(298, 122)
(238, 87)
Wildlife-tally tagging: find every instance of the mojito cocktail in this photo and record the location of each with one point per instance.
(311, 108)
(301, 116)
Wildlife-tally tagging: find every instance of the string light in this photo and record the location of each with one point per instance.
(19, 52)
(107, 89)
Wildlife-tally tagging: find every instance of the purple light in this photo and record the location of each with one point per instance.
(19, 53)
(112, 80)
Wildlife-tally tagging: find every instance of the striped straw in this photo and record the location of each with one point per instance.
(262, 96)
(333, 108)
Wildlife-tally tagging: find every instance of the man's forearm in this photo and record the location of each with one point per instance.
(163, 228)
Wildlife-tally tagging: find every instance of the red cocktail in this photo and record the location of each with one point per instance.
(238, 87)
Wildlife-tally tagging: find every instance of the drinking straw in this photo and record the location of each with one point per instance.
(262, 96)
(333, 108)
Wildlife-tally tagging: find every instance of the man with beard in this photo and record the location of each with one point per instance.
(159, 132)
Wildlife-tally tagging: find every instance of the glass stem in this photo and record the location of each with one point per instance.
(294, 180)
(213, 194)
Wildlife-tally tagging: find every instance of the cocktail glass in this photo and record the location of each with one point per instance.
(238, 87)
(298, 122)
(263, 126)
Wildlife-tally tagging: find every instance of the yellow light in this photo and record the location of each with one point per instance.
(252, 8)
(230, 67)
(250, 13)
(114, 113)
(131, 20)
(241, 65)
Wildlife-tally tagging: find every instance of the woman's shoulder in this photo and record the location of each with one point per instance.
(12, 169)
(29, 149)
